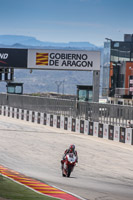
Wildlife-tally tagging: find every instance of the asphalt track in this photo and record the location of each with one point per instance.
(104, 171)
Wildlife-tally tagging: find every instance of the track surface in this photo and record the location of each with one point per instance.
(104, 171)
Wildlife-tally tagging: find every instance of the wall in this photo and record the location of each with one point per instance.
(101, 130)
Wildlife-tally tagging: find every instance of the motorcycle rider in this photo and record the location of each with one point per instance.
(71, 149)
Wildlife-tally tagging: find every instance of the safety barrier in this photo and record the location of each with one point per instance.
(105, 131)
(118, 115)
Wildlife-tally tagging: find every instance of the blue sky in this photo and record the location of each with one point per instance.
(67, 20)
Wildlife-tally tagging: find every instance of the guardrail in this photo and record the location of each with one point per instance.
(102, 113)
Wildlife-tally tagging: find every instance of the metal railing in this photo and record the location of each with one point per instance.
(103, 113)
(106, 113)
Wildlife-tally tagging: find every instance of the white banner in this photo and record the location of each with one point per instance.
(77, 125)
(105, 131)
(69, 123)
(25, 115)
(62, 122)
(95, 129)
(36, 117)
(41, 118)
(6, 110)
(48, 119)
(2, 110)
(63, 59)
(20, 111)
(116, 133)
(128, 138)
(15, 113)
(55, 121)
(30, 116)
(86, 127)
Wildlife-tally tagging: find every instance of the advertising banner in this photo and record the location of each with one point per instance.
(111, 132)
(122, 134)
(15, 113)
(100, 130)
(55, 121)
(4, 110)
(38, 117)
(65, 123)
(45, 119)
(129, 136)
(69, 123)
(77, 125)
(105, 131)
(30, 116)
(25, 115)
(8, 111)
(22, 114)
(116, 133)
(95, 129)
(48, 119)
(86, 127)
(58, 121)
(41, 118)
(63, 59)
(90, 128)
(73, 125)
(62, 122)
(51, 120)
(33, 116)
(16, 58)
(81, 126)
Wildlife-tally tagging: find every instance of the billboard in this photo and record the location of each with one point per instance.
(131, 84)
(16, 58)
(63, 60)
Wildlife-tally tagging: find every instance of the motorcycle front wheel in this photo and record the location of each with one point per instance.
(69, 171)
(63, 174)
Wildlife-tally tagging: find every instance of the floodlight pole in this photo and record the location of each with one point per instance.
(58, 83)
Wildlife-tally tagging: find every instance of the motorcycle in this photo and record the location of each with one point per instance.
(69, 163)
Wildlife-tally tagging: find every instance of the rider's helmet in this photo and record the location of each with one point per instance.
(72, 148)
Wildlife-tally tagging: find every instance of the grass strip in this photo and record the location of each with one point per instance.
(13, 191)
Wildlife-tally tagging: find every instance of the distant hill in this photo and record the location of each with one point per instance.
(26, 41)
(46, 81)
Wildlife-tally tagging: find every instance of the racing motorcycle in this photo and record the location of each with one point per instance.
(69, 163)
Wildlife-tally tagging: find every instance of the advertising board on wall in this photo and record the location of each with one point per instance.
(16, 58)
(63, 60)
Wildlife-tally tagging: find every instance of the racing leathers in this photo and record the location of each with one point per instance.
(69, 151)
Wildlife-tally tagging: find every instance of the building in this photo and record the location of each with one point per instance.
(118, 71)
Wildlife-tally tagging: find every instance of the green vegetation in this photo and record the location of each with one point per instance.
(13, 191)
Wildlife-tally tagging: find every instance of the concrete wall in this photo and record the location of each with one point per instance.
(106, 131)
